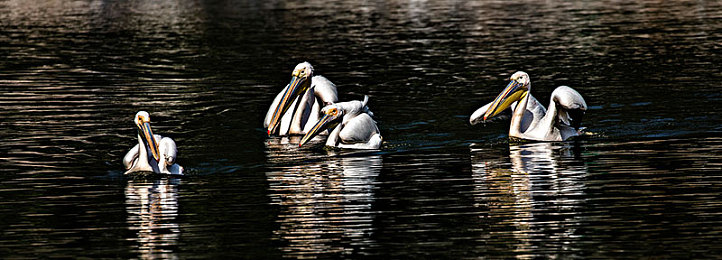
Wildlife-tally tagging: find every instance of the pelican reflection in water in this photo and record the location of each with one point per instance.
(153, 153)
(152, 211)
(325, 205)
(534, 195)
(534, 122)
(352, 126)
(297, 108)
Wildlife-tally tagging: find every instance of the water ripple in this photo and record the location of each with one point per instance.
(74, 73)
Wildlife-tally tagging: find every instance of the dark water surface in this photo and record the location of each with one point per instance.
(646, 184)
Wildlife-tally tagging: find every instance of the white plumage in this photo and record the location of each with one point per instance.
(153, 153)
(352, 125)
(534, 122)
(297, 107)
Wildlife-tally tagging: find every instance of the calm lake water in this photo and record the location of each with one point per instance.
(647, 183)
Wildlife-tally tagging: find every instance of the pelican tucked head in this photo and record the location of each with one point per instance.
(300, 82)
(332, 116)
(517, 89)
(142, 120)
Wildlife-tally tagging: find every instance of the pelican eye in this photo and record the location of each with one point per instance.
(332, 112)
(142, 119)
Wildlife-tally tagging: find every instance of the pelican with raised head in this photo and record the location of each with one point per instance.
(297, 108)
(352, 125)
(153, 153)
(534, 122)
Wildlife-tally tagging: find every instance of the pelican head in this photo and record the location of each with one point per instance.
(518, 88)
(332, 116)
(142, 121)
(300, 82)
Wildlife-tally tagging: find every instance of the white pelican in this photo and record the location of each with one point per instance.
(561, 121)
(352, 126)
(158, 153)
(297, 107)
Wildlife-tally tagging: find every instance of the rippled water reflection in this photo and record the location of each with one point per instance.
(325, 205)
(152, 212)
(534, 196)
(644, 184)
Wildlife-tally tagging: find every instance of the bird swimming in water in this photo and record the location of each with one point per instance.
(534, 122)
(352, 126)
(297, 108)
(153, 153)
